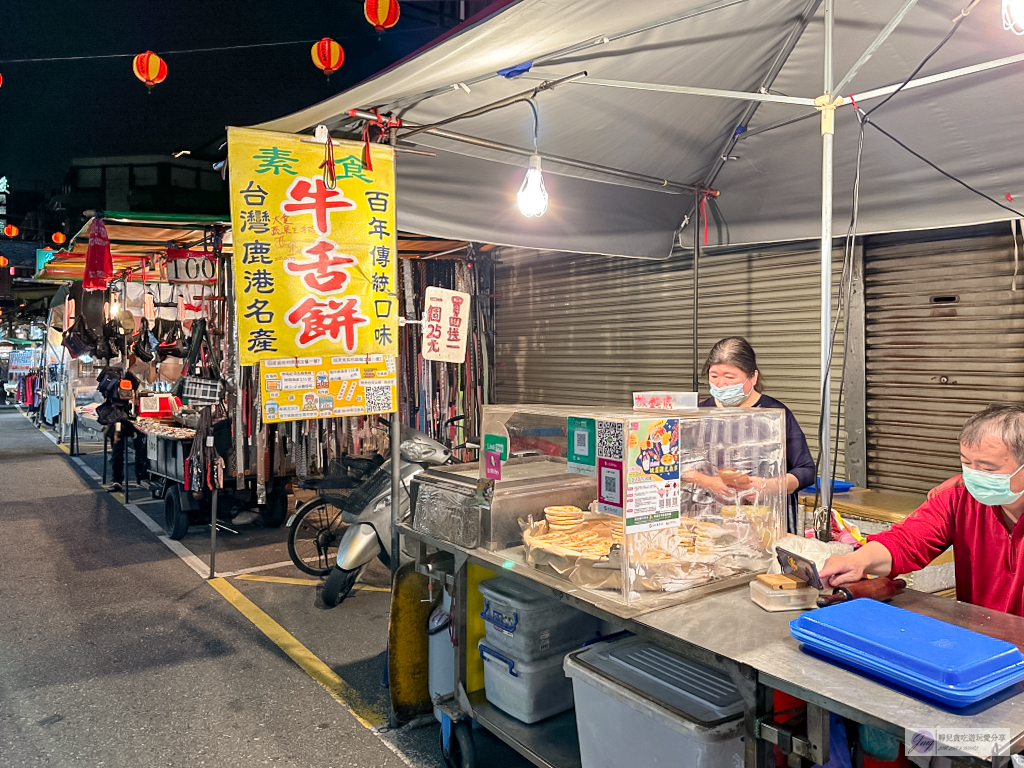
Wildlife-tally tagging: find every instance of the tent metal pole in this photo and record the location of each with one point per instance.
(547, 84)
(876, 93)
(780, 61)
(825, 525)
(875, 45)
(672, 187)
(696, 284)
(686, 90)
(973, 69)
(571, 50)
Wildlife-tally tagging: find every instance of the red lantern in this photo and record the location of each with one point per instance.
(1, 80)
(149, 68)
(3, 261)
(11, 231)
(59, 238)
(382, 14)
(328, 56)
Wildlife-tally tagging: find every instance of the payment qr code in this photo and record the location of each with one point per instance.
(581, 441)
(610, 484)
(609, 440)
(378, 398)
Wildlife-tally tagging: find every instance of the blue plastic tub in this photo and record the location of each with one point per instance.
(942, 662)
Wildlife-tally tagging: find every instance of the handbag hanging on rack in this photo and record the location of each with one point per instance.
(201, 384)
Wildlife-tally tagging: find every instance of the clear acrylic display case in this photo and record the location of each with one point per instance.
(681, 502)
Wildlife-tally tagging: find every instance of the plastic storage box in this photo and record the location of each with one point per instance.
(526, 625)
(527, 690)
(939, 661)
(770, 599)
(638, 704)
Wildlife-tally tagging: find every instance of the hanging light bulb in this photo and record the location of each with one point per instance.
(1013, 16)
(532, 196)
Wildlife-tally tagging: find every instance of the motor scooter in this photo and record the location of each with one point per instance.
(368, 534)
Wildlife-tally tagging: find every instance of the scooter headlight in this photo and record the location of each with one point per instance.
(415, 451)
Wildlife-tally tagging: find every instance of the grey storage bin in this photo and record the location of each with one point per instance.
(527, 690)
(680, 711)
(526, 625)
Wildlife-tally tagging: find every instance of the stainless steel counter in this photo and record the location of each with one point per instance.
(727, 626)
(730, 625)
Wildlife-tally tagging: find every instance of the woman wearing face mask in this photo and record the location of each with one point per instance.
(980, 519)
(732, 371)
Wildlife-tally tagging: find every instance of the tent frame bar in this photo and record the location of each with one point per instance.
(875, 44)
(547, 85)
(688, 90)
(666, 185)
(593, 42)
(876, 93)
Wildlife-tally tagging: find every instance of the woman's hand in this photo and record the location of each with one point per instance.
(710, 483)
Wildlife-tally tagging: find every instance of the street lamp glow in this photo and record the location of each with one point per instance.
(532, 196)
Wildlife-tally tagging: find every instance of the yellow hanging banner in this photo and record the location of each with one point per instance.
(314, 260)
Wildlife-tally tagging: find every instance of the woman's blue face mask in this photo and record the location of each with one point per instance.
(731, 394)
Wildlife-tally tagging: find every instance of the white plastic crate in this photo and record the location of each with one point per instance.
(526, 625)
(527, 690)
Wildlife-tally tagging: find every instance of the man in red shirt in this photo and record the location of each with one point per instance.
(979, 519)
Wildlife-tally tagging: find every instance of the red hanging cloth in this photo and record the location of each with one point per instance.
(99, 266)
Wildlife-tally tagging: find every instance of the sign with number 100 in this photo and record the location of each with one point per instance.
(191, 267)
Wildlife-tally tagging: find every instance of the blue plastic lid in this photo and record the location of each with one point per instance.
(933, 650)
(838, 486)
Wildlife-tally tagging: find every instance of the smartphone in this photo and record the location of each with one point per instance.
(799, 567)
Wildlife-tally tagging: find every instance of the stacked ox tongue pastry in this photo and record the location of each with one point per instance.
(566, 519)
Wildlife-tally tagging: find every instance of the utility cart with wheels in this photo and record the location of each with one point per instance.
(168, 448)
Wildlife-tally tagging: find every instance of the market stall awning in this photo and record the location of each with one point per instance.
(134, 239)
(626, 114)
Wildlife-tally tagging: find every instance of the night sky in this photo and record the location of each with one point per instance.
(53, 111)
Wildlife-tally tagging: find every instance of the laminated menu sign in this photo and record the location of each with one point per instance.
(313, 259)
(445, 325)
(652, 479)
(326, 387)
(582, 448)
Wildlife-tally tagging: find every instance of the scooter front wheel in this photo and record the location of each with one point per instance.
(339, 583)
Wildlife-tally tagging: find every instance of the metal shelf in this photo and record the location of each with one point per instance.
(551, 743)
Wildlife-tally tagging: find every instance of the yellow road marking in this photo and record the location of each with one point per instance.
(59, 445)
(302, 582)
(339, 690)
(278, 580)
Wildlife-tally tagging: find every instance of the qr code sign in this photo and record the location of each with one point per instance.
(609, 440)
(378, 398)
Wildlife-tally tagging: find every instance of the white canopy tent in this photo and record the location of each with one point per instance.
(662, 100)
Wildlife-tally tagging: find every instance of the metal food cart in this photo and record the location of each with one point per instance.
(715, 624)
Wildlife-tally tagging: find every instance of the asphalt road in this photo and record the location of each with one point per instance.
(115, 650)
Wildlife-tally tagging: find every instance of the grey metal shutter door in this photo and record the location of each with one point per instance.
(944, 338)
(591, 330)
